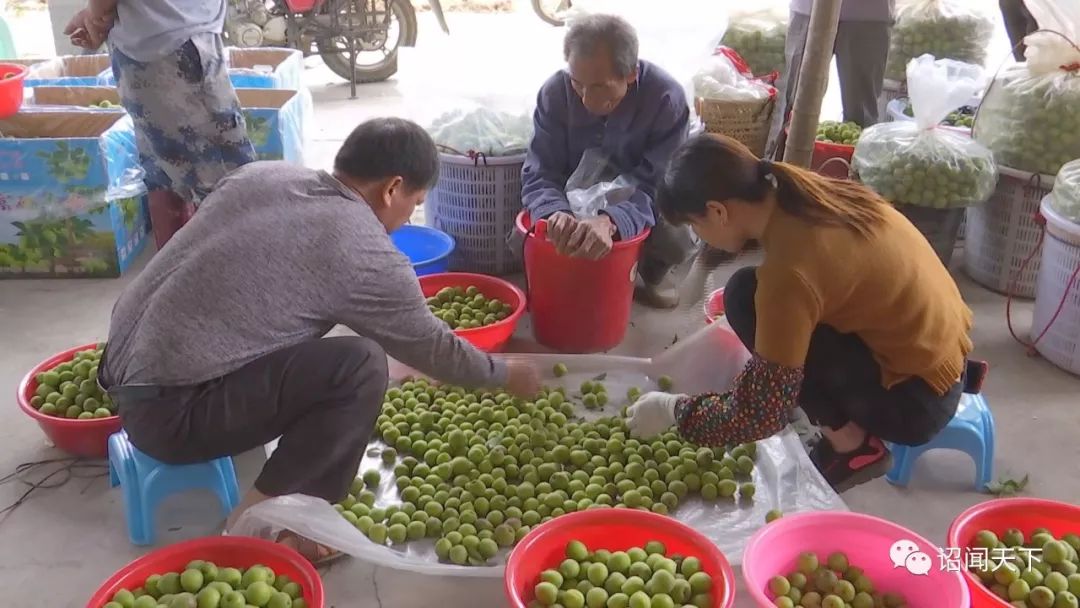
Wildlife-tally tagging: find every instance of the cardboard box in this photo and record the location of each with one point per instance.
(69, 70)
(266, 68)
(275, 123)
(86, 98)
(71, 202)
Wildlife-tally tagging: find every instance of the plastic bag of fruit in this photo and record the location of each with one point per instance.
(948, 29)
(920, 163)
(1065, 197)
(1030, 116)
(759, 36)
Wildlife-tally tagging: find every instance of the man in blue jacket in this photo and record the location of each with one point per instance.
(631, 114)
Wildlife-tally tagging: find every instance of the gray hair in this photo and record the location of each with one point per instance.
(591, 33)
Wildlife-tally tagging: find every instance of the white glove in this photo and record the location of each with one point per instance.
(652, 414)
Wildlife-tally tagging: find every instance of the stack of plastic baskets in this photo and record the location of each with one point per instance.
(476, 201)
(1001, 235)
(1058, 285)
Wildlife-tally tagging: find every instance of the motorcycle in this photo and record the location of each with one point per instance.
(551, 10)
(357, 39)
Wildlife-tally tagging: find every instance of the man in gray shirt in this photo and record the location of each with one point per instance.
(215, 348)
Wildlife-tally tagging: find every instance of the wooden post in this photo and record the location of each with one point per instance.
(813, 81)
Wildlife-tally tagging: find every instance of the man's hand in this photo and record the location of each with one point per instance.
(89, 31)
(590, 238)
(651, 415)
(522, 378)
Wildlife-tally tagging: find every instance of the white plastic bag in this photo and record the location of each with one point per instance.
(759, 36)
(1030, 116)
(920, 163)
(491, 132)
(595, 185)
(1065, 197)
(718, 78)
(947, 29)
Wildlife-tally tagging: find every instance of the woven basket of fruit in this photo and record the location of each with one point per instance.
(745, 120)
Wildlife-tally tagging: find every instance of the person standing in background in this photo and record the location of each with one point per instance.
(172, 75)
(861, 49)
(1018, 23)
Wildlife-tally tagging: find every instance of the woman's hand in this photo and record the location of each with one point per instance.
(652, 414)
(522, 378)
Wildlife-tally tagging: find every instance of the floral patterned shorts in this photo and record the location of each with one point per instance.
(188, 124)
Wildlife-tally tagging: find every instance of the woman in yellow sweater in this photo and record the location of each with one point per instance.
(851, 315)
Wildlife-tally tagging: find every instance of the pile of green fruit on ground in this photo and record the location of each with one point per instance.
(937, 168)
(70, 389)
(1031, 122)
(1035, 571)
(481, 468)
(639, 577)
(203, 584)
(759, 38)
(834, 583)
(945, 29)
(467, 308)
(963, 117)
(846, 133)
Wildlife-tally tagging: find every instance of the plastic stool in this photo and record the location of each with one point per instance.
(146, 482)
(7, 42)
(971, 431)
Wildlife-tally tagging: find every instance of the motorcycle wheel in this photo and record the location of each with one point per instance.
(549, 10)
(334, 51)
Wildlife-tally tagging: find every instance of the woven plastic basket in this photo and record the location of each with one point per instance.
(1003, 233)
(476, 201)
(1060, 260)
(939, 226)
(746, 121)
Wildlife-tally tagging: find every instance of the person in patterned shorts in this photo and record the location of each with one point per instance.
(171, 70)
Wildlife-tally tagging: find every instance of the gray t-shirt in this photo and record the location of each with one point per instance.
(278, 254)
(148, 30)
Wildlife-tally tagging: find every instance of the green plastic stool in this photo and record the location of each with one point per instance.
(7, 43)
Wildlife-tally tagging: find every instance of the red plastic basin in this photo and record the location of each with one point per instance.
(1025, 514)
(832, 160)
(11, 88)
(224, 551)
(714, 306)
(490, 338)
(614, 530)
(89, 438)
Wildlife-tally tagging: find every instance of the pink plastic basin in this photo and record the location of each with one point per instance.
(866, 540)
(714, 306)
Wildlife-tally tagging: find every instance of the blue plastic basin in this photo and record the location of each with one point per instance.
(427, 248)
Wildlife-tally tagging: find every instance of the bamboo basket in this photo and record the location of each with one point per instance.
(746, 121)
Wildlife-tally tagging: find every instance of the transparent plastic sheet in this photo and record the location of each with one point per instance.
(678, 38)
(759, 36)
(66, 70)
(1030, 115)
(73, 99)
(71, 194)
(920, 163)
(1065, 197)
(947, 29)
(595, 184)
(707, 361)
(475, 128)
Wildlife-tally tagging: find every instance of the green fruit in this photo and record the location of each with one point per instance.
(191, 580)
(148, 601)
(259, 593)
(208, 598)
(233, 599)
(231, 577)
(779, 585)
(773, 515)
(665, 383)
(560, 370)
(169, 584)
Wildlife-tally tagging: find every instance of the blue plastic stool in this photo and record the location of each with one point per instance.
(146, 482)
(971, 431)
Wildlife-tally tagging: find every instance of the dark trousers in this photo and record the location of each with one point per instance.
(842, 381)
(861, 49)
(1018, 23)
(666, 247)
(321, 397)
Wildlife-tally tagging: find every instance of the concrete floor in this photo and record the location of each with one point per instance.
(65, 541)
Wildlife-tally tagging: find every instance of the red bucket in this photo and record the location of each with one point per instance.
(89, 438)
(578, 306)
(714, 306)
(491, 338)
(613, 530)
(11, 88)
(999, 515)
(224, 552)
(832, 160)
